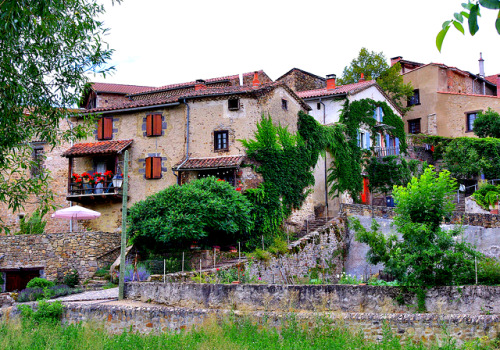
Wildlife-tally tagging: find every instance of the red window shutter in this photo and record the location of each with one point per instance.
(148, 167)
(156, 171)
(107, 128)
(149, 125)
(157, 124)
(100, 129)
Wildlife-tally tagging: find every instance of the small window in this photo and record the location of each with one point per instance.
(153, 125)
(284, 104)
(470, 121)
(105, 128)
(415, 99)
(414, 126)
(318, 106)
(361, 140)
(233, 104)
(37, 158)
(221, 140)
(153, 168)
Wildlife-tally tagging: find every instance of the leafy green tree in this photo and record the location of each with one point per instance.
(374, 66)
(47, 49)
(426, 255)
(470, 13)
(208, 210)
(487, 124)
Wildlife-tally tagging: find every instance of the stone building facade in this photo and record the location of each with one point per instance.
(300, 80)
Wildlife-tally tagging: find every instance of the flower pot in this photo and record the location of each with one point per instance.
(235, 282)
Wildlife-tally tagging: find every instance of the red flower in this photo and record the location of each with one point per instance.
(220, 180)
(238, 188)
(108, 173)
(217, 269)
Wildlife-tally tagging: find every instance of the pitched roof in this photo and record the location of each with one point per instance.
(119, 88)
(303, 71)
(492, 78)
(210, 163)
(208, 92)
(101, 147)
(339, 90)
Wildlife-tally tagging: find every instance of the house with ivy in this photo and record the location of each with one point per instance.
(327, 101)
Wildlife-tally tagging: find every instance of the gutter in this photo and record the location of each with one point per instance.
(187, 142)
(326, 96)
(114, 111)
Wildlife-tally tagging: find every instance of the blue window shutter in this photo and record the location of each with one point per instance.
(387, 145)
(397, 145)
(367, 140)
(357, 138)
(381, 115)
(375, 113)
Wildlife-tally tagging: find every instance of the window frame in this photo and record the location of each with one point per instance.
(467, 118)
(153, 168)
(37, 155)
(411, 121)
(154, 125)
(284, 104)
(105, 128)
(416, 96)
(216, 143)
(233, 108)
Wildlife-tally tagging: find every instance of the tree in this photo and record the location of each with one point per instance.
(374, 66)
(208, 210)
(426, 255)
(47, 47)
(487, 124)
(471, 12)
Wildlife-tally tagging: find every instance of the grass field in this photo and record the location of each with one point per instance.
(230, 335)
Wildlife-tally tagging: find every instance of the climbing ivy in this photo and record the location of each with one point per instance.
(390, 171)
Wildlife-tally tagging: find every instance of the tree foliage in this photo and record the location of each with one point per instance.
(384, 173)
(470, 13)
(207, 210)
(374, 66)
(426, 255)
(47, 49)
(487, 124)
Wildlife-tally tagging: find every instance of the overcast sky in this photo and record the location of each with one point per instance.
(159, 42)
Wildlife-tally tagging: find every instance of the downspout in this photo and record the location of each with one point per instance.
(71, 143)
(187, 142)
(326, 183)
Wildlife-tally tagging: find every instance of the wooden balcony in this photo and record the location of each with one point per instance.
(94, 193)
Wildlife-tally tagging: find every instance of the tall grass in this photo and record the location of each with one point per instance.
(230, 335)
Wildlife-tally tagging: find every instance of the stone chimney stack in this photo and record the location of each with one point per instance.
(330, 81)
(200, 85)
(395, 60)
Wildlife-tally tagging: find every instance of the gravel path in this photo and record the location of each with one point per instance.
(95, 295)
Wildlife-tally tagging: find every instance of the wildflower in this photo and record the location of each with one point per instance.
(217, 269)
(238, 188)
(259, 278)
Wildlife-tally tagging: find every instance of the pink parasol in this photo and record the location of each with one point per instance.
(76, 212)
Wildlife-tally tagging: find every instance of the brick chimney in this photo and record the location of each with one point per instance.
(395, 60)
(498, 85)
(255, 81)
(330, 81)
(200, 85)
(362, 78)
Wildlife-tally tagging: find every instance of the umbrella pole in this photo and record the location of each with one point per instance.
(121, 281)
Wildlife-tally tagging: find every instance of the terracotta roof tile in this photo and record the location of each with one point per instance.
(119, 88)
(339, 90)
(211, 163)
(101, 147)
(190, 83)
(492, 78)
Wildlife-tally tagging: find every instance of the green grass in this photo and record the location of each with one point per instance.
(230, 335)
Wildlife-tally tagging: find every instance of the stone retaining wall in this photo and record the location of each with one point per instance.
(156, 319)
(58, 253)
(471, 300)
(472, 219)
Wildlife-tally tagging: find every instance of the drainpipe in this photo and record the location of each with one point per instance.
(71, 143)
(326, 183)
(187, 141)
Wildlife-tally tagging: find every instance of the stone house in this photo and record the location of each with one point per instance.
(174, 134)
(447, 99)
(326, 100)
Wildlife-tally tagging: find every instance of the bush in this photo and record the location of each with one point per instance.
(486, 195)
(208, 210)
(45, 312)
(34, 225)
(34, 294)
(39, 282)
(71, 279)
(488, 272)
(142, 273)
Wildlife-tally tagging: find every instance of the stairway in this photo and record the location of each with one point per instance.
(459, 202)
(310, 226)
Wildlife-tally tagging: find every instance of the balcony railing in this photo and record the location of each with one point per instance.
(384, 152)
(87, 191)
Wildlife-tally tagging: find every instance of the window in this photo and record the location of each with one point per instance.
(470, 121)
(221, 140)
(284, 104)
(153, 168)
(37, 158)
(105, 128)
(414, 126)
(361, 140)
(415, 99)
(153, 125)
(318, 106)
(233, 104)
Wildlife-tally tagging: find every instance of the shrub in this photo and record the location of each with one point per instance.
(488, 272)
(34, 294)
(279, 247)
(208, 210)
(142, 273)
(486, 195)
(71, 279)
(45, 312)
(39, 282)
(34, 225)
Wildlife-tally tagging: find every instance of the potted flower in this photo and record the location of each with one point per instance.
(75, 177)
(85, 177)
(100, 180)
(233, 250)
(492, 199)
(195, 245)
(92, 180)
(108, 174)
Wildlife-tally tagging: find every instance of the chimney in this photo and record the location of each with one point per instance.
(330, 81)
(362, 78)
(395, 60)
(200, 85)
(498, 85)
(255, 81)
(481, 65)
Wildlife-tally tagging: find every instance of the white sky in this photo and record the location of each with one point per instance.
(159, 42)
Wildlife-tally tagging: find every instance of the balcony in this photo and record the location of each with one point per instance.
(104, 191)
(381, 152)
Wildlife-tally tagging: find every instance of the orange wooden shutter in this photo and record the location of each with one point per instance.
(107, 128)
(100, 129)
(157, 124)
(149, 125)
(156, 171)
(148, 167)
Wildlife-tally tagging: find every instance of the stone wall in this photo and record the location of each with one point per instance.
(472, 300)
(59, 253)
